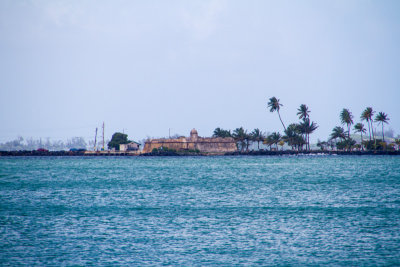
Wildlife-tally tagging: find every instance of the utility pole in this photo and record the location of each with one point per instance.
(169, 133)
(103, 138)
(95, 140)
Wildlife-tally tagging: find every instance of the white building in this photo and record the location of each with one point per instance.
(132, 146)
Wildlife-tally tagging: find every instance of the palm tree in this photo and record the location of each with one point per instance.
(382, 118)
(346, 118)
(338, 132)
(248, 139)
(274, 105)
(366, 115)
(303, 112)
(268, 141)
(257, 136)
(218, 132)
(291, 134)
(275, 137)
(240, 135)
(359, 128)
(308, 128)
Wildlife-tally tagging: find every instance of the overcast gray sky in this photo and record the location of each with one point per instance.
(146, 66)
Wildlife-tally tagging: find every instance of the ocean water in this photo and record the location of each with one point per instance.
(225, 211)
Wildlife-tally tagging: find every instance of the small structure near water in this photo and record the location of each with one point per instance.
(132, 146)
(213, 145)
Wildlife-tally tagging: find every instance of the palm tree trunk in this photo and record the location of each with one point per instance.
(383, 133)
(372, 128)
(362, 148)
(369, 130)
(281, 120)
(348, 132)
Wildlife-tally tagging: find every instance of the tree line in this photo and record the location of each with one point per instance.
(342, 139)
(297, 135)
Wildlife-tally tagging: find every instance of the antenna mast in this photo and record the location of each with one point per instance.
(95, 140)
(103, 137)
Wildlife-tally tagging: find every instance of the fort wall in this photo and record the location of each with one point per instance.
(207, 145)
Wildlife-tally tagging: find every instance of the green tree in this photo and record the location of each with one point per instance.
(366, 115)
(346, 144)
(293, 136)
(274, 105)
(359, 128)
(303, 112)
(290, 135)
(275, 138)
(322, 144)
(218, 132)
(338, 132)
(240, 135)
(258, 136)
(117, 139)
(382, 118)
(268, 141)
(248, 139)
(346, 118)
(307, 128)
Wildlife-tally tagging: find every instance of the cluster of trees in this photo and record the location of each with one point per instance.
(296, 135)
(342, 139)
(242, 137)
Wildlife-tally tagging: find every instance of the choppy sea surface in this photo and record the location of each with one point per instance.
(137, 211)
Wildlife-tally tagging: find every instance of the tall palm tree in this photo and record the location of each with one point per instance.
(382, 118)
(346, 118)
(303, 112)
(359, 128)
(307, 128)
(366, 115)
(274, 105)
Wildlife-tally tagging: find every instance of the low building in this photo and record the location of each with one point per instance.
(132, 146)
(217, 145)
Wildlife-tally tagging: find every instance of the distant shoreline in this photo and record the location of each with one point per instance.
(183, 154)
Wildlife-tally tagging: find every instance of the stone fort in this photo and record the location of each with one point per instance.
(216, 145)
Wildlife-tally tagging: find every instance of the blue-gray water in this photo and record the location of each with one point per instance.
(306, 210)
